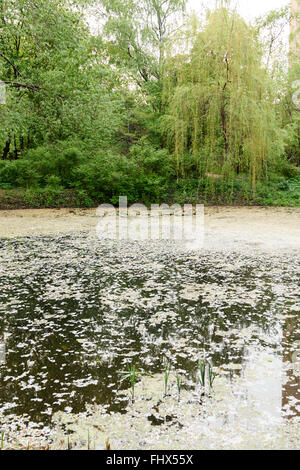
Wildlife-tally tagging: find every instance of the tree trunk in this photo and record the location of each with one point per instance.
(16, 151)
(6, 149)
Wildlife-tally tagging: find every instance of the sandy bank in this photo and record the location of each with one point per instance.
(232, 228)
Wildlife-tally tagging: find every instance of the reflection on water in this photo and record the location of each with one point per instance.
(75, 311)
(2, 351)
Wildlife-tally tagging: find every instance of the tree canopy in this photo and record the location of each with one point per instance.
(153, 99)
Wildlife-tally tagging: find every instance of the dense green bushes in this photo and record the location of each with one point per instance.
(88, 118)
(41, 166)
(65, 175)
(43, 198)
(143, 174)
(278, 192)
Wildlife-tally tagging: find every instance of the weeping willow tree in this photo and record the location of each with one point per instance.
(220, 104)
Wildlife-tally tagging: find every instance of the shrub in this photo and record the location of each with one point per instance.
(288, 170)
(59, 161)
(8, 173)
(152, 160)
(53, 181)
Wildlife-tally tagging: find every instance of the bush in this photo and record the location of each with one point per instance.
(152, 160)
(59, 161)
(288, 170)
(53, 181)
(8, 173)
(283, 186)
(44, 198)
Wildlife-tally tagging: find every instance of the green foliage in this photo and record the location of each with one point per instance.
(277, 191)
(43, 198)
(154, 107)
(221, 116)
(141, 175)
(293, 138)
(39, 165)
(132, 373)
(57, 85)
(137, 32)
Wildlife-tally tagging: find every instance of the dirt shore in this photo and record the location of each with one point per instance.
(234, 228)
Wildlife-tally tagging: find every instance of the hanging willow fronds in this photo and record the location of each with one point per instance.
(219, 99)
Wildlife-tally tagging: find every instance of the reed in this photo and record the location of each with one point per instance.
(166, 377)
(206, 374)
(178, 386)
(201, 368)
(132, 373)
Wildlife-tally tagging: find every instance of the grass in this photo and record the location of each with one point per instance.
(206, 374)
(211, 376)
(131, 374)
(178, 386)
(166, 377)
(201, 367)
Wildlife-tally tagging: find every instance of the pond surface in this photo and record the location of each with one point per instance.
(75, 311)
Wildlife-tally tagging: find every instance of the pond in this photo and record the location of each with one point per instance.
(76, 312)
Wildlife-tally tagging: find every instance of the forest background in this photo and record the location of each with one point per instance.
(154, 104)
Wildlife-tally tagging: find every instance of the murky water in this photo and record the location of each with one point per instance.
(75, 311)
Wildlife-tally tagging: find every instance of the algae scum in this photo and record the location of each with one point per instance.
(75, 312)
